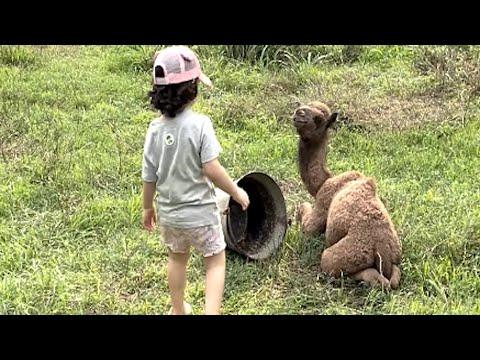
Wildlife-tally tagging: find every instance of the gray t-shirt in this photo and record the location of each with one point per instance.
(175, 149)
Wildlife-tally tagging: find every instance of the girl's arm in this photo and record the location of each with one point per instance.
(217, 174)
(148, 218)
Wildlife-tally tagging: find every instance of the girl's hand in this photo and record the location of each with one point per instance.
(242, 198)
(149, 219)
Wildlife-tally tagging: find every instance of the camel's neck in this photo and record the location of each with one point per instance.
(311, 159)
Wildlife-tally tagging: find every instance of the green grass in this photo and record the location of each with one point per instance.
(72, 125)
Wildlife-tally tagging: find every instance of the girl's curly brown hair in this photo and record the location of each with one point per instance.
(172, 99)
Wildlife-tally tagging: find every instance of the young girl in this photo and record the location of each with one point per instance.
(180, 162)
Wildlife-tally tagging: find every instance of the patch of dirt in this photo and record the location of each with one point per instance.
(365, 111)
(401, 114)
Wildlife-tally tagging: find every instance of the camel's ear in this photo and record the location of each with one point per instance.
(332, 119)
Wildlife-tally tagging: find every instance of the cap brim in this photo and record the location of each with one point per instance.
(205, 80)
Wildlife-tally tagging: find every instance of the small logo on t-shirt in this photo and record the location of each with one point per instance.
(169, 139)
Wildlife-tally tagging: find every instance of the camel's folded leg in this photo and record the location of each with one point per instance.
(372, 277)
(347, 257)
(310, 222)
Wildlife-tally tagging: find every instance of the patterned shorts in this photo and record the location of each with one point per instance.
(208, 240)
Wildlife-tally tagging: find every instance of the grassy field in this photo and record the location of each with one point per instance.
(72, 126)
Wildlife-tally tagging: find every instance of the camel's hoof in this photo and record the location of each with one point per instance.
(384, 284)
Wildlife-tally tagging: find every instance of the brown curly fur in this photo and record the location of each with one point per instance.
(361, 240)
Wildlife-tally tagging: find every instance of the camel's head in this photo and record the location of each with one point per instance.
(312, 121)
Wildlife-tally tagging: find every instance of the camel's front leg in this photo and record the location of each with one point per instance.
(311, 223)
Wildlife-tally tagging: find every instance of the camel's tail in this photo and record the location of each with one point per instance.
(388, 268)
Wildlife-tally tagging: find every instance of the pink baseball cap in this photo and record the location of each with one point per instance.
(178, 64)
